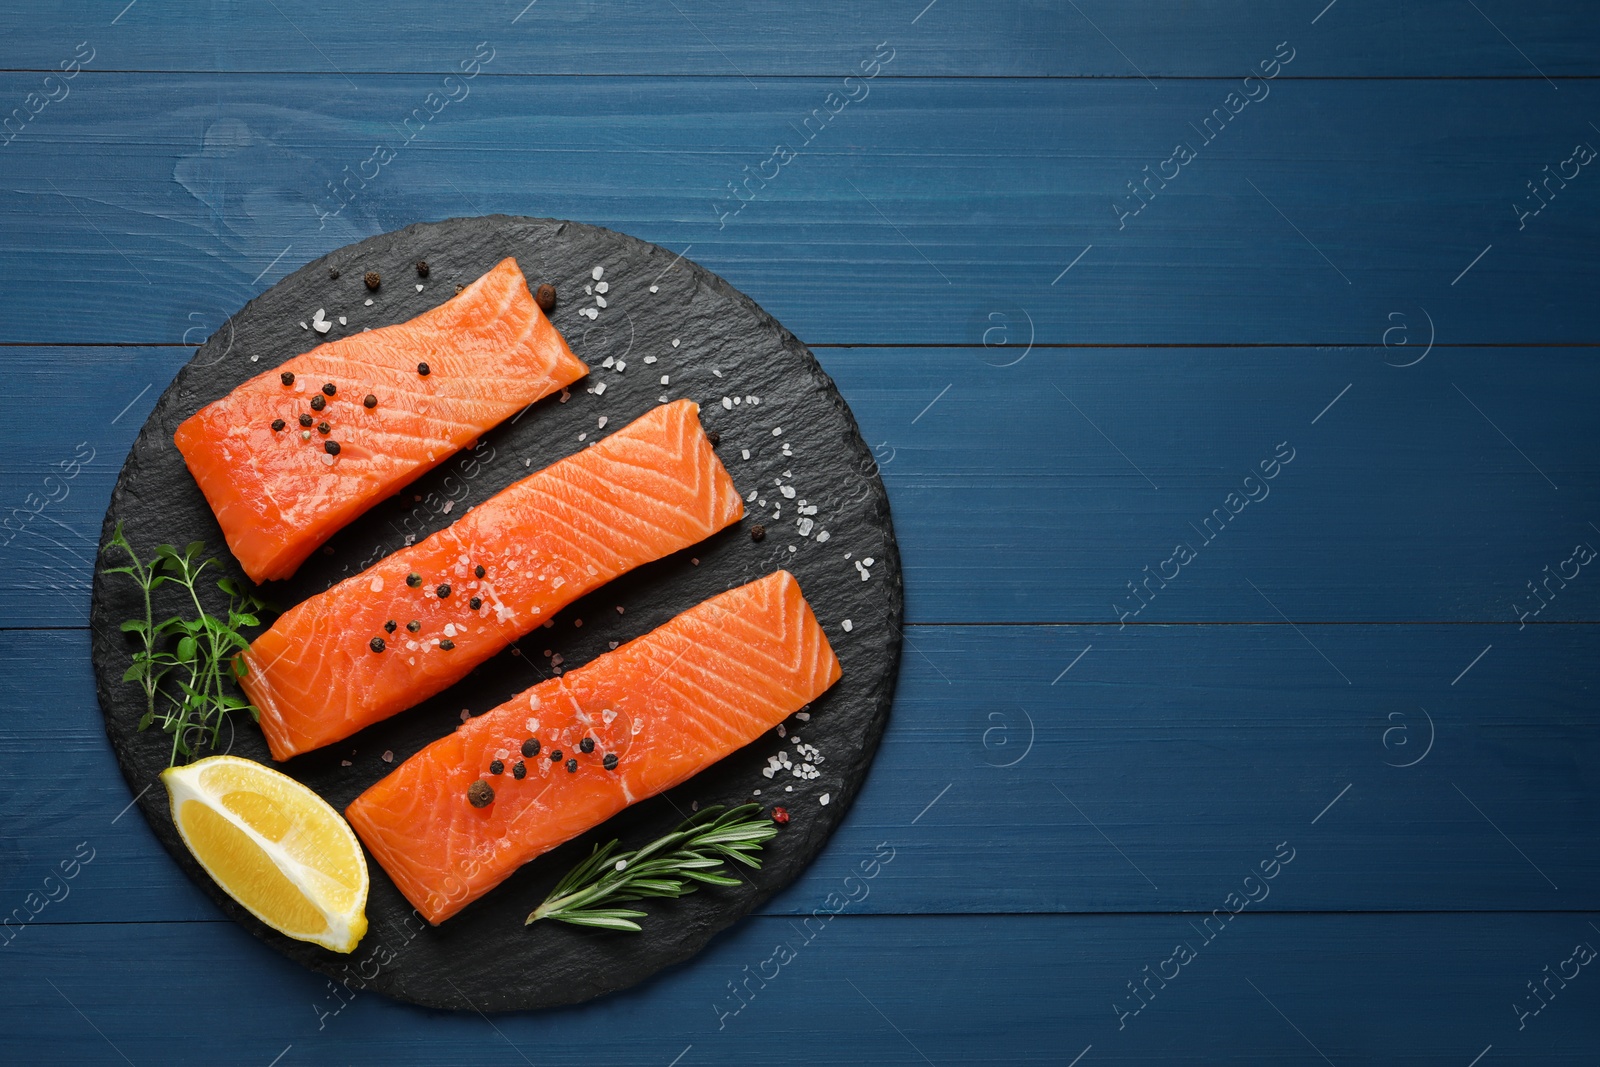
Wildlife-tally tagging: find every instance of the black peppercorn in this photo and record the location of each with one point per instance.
(530, 747)
(758, 532)
(480, 794)
(376, 644)
(305, 420)
(475, 603)
(422, 268)
(413, 579)
(545, 297)
(331, 447)
(277, 425)
(447, 644)
(610, 762)
(389, 627)
(370, 401)
(572, 766)
(319, 402)
(555, 757)
(586, 745)
(287, 377)
(373, 280)
(328, 388)
(714, 437)
(333, 273)
(324, 429)
(519, 770)
(478, 570)
(422, 369)
(443, 591)
(497, 767)
(414, 626)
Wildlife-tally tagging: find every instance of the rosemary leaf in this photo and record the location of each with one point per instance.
(671, 866)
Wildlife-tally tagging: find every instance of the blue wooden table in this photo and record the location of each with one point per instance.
(1231, 369)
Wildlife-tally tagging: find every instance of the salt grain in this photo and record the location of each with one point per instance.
(597, 272)
(655, 288)
(419, 288)
(823, 799)
(601, 424)
(666, 379)
(649, 359)
(727, 404)
(744, 453)
(847, 626)
(343, 321)
(368, 303)
(600, 389)
(603, 287)
(674, 342)
(777, 431)
(388, 755)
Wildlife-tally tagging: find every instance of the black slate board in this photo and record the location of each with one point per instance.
(484, 958)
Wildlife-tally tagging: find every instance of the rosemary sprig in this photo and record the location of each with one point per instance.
(184, 665)
(670, 866)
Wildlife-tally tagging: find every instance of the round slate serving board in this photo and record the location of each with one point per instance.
(710, 341)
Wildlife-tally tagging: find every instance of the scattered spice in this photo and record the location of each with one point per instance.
(376, 644)
(422, 369)
(780, 815)
(331, 447)
(545, 297)
(459, 288)
(414, 626)
(305, 420)
(443, 591)
(572, 766)
(422, 268)
(610, 762)
(319, 402)
(475, 603)
(324, 429)
(333, 273)
(447, 644)
(370, 401)
(389, 627)
(480, 794)
(497, 767)
(586, 745)
(758, 532)
(530, 747)
(413, 579)
(519, 770)
(714, 437)
(555, 757)
(373, 280)
(478, 570)
(328, 388)
(278, 425)
(287, 377)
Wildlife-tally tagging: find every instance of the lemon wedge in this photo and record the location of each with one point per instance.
(274, 846)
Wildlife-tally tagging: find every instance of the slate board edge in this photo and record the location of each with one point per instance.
(152, 801)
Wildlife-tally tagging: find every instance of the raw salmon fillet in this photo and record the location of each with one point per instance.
(417, 621)
(279, 493)
(665, 706)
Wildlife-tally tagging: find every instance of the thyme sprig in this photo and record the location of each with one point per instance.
(670, 866)
(186, 666)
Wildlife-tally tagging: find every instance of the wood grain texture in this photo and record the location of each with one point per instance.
(1024, 487)
(724, 38)
(1391, 153)
(911, 217)
(1143, 776)
(1271, 989)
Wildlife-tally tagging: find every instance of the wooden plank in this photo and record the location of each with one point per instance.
(1145, 769)
(1096, 38)
(913, 217)
(1028, 493)
(1270, 989)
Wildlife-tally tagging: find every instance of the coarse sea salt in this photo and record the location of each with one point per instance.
(727, 404)
(597, 272)
(603, 287)
(674, 342)
(744, 453)
(655, 288)
(847, 626)
(377, 583)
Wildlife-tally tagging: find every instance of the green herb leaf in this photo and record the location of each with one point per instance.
(669, 866)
